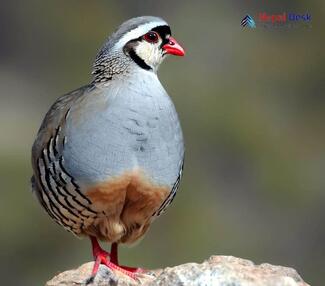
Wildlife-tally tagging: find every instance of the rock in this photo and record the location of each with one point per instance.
(216, 271)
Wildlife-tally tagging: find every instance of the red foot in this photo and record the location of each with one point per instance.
(133, 269)
(101, 255)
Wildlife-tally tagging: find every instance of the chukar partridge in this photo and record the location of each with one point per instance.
(108, 157)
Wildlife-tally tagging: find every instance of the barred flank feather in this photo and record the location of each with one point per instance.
(172, 193)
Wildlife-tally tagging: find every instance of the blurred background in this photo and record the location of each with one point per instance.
(252, 106)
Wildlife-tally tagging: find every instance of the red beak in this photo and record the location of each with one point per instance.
(173, 48)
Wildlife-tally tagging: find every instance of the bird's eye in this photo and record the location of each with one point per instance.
(151, 37)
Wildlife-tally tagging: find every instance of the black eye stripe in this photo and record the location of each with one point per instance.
(163, 31)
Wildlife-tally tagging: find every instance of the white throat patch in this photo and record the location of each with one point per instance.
(150, 53)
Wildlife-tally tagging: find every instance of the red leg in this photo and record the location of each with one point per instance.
(114, 259)
(99, 254)
(114, 255)
(100, 257)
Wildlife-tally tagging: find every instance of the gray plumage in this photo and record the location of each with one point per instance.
(117, 140)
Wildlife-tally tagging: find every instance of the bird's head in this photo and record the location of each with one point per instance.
(142, 41)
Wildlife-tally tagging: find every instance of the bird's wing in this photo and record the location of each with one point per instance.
(55, 188)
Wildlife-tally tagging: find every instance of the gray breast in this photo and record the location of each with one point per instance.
(124, 127)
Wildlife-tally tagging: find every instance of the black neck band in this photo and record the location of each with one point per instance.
(140, 62)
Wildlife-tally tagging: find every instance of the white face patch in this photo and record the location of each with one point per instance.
(138, 32)
(150, 53)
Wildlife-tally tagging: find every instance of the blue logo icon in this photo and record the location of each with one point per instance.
(248, 21)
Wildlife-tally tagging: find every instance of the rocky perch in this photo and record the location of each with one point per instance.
(215, 271)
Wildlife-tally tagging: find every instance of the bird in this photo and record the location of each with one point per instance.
(108, 157)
